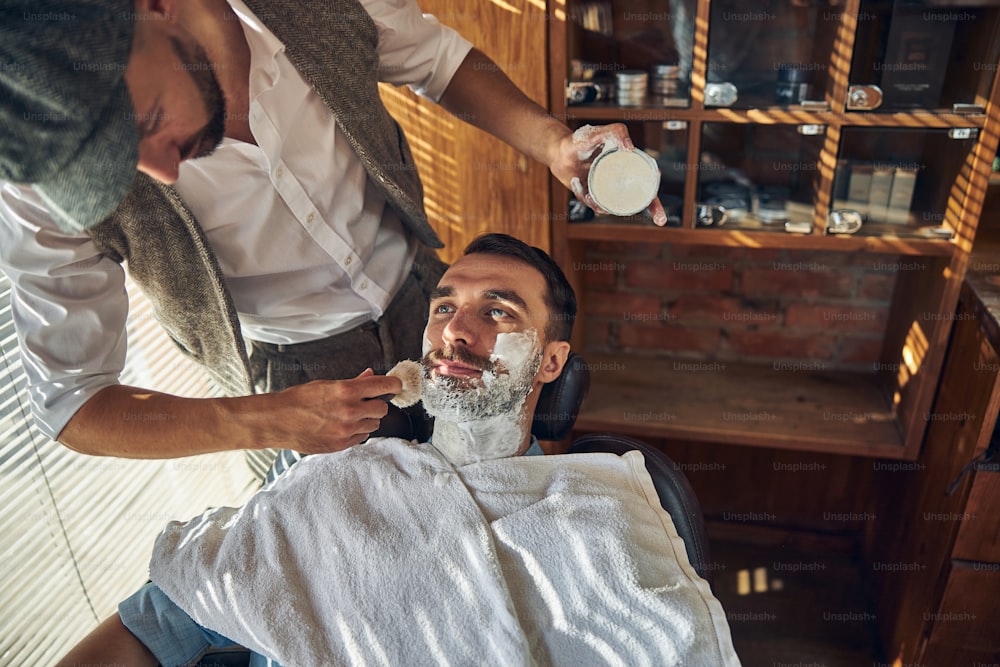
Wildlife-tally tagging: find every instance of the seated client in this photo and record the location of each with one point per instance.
(456, 551)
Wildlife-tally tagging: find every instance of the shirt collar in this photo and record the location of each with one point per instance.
(264, 49)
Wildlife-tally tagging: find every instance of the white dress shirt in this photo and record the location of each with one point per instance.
(307, 244)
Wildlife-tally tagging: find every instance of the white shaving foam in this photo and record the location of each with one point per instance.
(584, 139)
(513, 350)
(488, 421)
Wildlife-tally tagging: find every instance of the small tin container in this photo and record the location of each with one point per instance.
(624, 182)
(631, 86)
(664, 80)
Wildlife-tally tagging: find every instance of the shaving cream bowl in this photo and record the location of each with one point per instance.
(624, 182)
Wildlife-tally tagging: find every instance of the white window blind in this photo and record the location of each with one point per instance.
(76, 531)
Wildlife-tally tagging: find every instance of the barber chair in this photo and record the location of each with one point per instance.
(558, 405)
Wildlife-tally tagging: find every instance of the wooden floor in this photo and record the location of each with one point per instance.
(793, 600)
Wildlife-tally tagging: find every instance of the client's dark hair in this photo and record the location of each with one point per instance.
(560, 298)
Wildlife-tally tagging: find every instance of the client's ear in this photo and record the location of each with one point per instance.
(553, 359)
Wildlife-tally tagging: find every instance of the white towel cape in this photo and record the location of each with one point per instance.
(386, 554)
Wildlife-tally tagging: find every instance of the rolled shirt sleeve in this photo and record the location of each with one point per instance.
(415, 49)
(68, 304)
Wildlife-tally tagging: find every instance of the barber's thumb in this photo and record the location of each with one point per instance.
(368, 372)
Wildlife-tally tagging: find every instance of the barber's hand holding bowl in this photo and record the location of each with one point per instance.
(578, 151)
(329, 415)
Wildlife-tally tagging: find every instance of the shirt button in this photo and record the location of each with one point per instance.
(310, 217)
(279, 172)
(347, 261)
(364, 285)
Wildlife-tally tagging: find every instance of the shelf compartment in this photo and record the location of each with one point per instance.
(607, 37)
(741, 404)
(926, 55)
(769, 56)
(762, 176)
(900, 178)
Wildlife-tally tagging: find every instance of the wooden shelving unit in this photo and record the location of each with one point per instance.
(892, 407)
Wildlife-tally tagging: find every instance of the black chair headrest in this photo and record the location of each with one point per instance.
(559, 401)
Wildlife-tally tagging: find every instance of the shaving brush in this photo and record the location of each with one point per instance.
(409, 372)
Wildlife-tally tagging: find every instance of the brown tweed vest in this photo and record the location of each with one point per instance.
(332, 44)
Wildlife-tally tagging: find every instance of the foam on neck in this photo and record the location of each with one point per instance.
(495, 437)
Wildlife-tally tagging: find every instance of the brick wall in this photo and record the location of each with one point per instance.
(737, 304)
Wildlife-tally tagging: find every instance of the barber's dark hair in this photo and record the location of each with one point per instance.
(559, 298)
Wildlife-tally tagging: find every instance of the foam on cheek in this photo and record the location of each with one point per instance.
(513, 350)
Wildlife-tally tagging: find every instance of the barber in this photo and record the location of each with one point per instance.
(276, 202)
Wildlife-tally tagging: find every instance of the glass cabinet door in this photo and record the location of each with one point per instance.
(899, 180)
(758, 176)
(630, 53)
(914, 55)
(769, 54)
(668, 144)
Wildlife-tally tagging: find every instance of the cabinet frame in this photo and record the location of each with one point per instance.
(906, 401)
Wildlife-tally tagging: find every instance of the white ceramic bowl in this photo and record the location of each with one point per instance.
(624, 182)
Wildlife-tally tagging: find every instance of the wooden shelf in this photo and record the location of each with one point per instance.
(611, 112)
(601, 230)
(741, 404)
(773, 116)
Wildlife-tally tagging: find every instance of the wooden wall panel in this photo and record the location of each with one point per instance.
(909, 544)
(965, 626)
(472, 181)
(979, 535)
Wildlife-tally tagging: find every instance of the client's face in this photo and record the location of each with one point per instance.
(482, 345)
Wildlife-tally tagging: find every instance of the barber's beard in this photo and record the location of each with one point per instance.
(499, 391)
(202, 73)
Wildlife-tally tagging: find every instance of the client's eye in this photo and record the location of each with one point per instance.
(499, 314)
(443, 309)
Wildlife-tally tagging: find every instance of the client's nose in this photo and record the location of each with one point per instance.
(460, 329)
